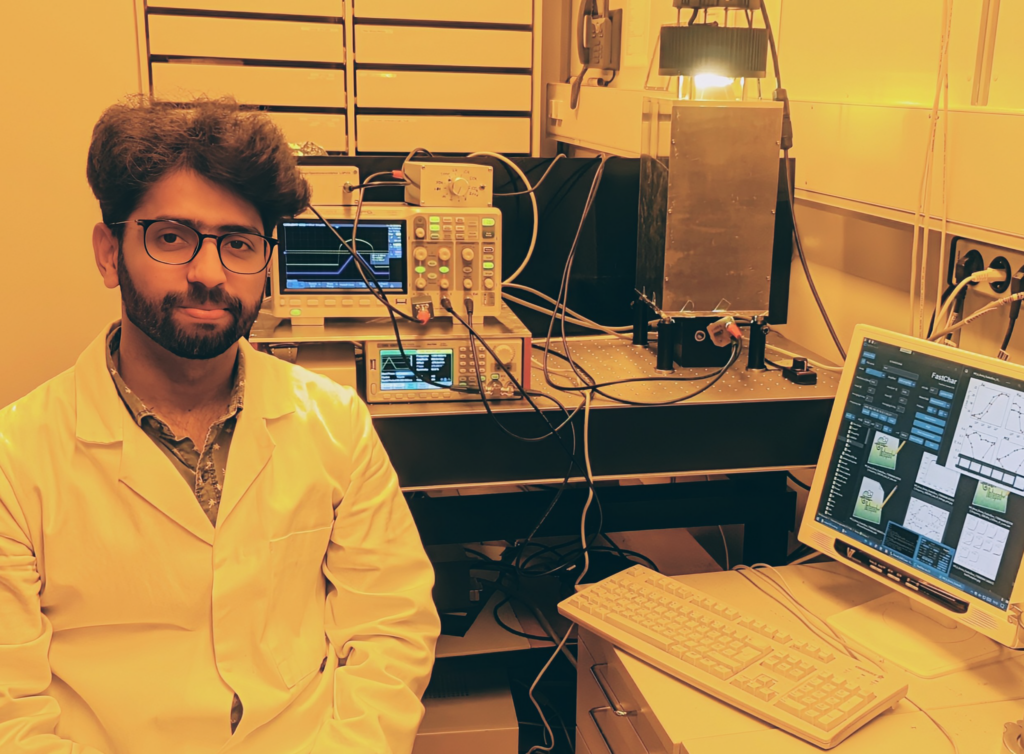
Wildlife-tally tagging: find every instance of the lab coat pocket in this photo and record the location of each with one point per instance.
(295, 619)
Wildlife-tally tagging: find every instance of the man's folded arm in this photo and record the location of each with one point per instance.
(28, 717)
(380, 615)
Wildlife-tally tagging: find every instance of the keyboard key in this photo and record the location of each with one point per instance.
(640, 632)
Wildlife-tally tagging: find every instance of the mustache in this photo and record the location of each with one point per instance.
(199, 295)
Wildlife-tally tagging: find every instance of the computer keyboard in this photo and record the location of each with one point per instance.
(805, 688)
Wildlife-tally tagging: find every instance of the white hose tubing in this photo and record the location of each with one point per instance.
(533, 202)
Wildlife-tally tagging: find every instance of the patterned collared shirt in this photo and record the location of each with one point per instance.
(203, 471)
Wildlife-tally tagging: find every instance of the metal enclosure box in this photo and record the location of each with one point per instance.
(709, 178)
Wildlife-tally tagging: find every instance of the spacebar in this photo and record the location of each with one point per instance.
(639, 631)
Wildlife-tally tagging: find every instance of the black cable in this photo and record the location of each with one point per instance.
(446, 304)
(538, 183)
(362, 266)
(787, 140)
(504, 626)
(797, 482)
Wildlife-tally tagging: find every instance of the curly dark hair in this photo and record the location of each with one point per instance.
(138, 142)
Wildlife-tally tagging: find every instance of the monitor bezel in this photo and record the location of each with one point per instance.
(996, 623)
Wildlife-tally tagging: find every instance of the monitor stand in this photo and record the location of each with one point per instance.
(915, 637)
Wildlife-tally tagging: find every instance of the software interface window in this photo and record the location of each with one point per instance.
(930, 469)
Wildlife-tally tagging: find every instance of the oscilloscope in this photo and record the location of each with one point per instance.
(417, 254)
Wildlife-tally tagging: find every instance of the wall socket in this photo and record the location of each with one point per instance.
(981, 256)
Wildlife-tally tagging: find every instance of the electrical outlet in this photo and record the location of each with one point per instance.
(983, 256)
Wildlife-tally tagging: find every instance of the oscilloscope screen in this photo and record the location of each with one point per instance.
(313, 260)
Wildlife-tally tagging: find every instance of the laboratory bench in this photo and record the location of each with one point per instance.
(740, 435)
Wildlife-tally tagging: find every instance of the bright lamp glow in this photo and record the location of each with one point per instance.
(711, 81)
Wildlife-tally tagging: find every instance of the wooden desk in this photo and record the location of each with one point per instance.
(973, 705)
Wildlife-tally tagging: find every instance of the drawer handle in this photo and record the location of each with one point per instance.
(607, 743)
(613, 700)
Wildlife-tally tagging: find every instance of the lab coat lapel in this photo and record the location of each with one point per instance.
(269, 395)
(101, 418)
(151, 474)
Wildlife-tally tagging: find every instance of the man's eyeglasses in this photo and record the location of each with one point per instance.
(170, 242)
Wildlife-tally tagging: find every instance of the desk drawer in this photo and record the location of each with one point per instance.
(329, 131)
(477, 11)
(581, 744)
(443, 90)
(331, 8)
(603, 731)
(251, 85)
(251, 39)
(419, 45)
(637, 733)
(442, 133)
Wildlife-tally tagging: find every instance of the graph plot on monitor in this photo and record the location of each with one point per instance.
(987, 443)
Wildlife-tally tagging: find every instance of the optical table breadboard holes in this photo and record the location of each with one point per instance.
(607, 359)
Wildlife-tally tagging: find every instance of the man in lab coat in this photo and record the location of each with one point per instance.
(202, 547)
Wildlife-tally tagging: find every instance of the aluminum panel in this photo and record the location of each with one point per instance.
(723, 177)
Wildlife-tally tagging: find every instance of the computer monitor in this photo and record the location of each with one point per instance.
(920, 485)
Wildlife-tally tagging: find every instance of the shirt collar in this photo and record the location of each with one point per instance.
(139, 410)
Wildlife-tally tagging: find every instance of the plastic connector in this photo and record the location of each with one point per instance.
(723, 331)
(422, 308)
(989, 275)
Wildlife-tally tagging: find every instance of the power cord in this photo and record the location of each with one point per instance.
(1016, 286)
(802, 613)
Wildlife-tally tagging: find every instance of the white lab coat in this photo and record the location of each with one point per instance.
(127, 622)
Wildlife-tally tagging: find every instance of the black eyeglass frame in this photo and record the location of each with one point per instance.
(145, 225)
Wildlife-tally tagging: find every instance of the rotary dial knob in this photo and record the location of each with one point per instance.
(505, 354)
(458, 187)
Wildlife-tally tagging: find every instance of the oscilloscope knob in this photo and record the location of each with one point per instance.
(467, 284)
(420, 233)
(443, 284)
(421, 283)
(444, 253)
(458, 187)
(420, 253)
(468, 255)
(488, 283)
(505, 354)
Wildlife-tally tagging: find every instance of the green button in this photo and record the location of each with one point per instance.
(421, 270)
(435, 228)
(435, 218)
(488, 265)
(296, 312)
(495, 376)
(487, 221)
(443, 269)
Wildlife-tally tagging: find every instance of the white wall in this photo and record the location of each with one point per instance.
(62, 66)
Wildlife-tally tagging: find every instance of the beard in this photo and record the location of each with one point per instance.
(205, 340)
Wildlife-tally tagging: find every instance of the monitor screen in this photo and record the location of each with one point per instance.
(928, 468)
(433, 363)
(313, 260)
